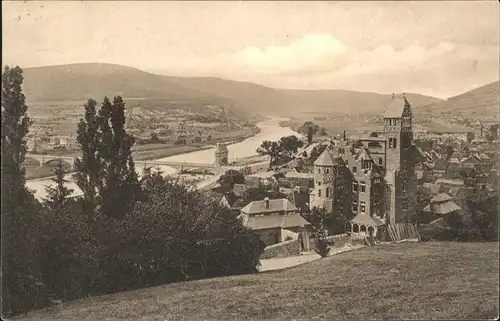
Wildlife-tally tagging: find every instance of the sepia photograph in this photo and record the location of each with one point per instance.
(250, 160)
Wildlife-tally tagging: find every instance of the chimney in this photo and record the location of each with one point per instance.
(266, 200)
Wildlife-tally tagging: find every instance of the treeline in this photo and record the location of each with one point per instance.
(124, 233)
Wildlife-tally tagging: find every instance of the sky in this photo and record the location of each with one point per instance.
(440, 48)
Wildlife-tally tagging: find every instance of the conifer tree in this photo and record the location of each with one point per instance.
(15, 126)
(58, 195)
(18, 206)
(89, 165)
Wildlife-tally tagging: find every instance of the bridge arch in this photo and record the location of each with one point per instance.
(28, 160)
(67, 164)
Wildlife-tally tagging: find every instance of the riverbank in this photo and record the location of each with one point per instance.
(141, 152)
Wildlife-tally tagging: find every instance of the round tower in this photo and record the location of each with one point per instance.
(221, 155)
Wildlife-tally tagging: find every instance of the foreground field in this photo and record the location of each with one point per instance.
(414, 280)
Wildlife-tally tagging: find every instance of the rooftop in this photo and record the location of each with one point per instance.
(325, 159)
(276, 205)
(395, 108)
(365, 219)
(274, 221)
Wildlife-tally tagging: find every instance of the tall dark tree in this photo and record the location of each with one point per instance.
(271, 149)
(310, 134)
(58, 195)
(230, 178)
(19, 272)
(290, 144)
(88, 167)
(120, 180)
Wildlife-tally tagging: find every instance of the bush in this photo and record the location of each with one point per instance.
(322, 247)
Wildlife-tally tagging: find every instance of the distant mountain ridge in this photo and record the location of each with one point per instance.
(95, 80)
(480, 103)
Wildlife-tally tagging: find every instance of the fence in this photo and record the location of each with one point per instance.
(402, 231)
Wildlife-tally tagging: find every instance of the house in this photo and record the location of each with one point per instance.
(440, 206)
(296, 178)
(265, 178)
(273, 220)
(371, 181)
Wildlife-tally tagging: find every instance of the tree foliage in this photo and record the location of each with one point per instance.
(280, 151)
(19, 225)
(106, 171)
(310, 134)
(58, 195)
(229, 178)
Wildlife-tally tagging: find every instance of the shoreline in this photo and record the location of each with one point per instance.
(147, 158)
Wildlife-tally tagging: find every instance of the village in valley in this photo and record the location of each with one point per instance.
(202, 181)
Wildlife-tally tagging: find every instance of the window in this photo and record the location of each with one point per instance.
(395, 143)
(319, 192)
(380, 161)
(319, 183)
(363, 206)
(328, 171)
(390, 142)
(354, 169)
(405, 186)
(319, 170)
(346, 162)
(363, 187)
(355, 206)
(405, 205)
(340, 150)
(327, 192)
(355, 187)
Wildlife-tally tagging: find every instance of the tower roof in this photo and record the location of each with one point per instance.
(221, 148)
(325, 159)
(396, 107)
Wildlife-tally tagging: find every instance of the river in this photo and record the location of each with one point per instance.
(269, 130)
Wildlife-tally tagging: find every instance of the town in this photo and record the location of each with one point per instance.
(250, 160)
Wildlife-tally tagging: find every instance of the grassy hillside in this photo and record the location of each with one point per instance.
(411, 281)
(93, 80)
(482, 103)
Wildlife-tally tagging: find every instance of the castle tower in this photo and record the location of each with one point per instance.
(324, 181)
(221, 155)
(400, 167)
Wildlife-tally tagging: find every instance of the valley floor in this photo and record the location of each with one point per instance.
(429, 280)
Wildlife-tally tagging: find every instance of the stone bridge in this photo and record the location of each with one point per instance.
(44, 159)
(139, 165)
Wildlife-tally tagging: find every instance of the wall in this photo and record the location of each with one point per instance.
(288, 248)
(340, 240)
(269, 236)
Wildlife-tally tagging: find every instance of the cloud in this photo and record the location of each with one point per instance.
(319, 60)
